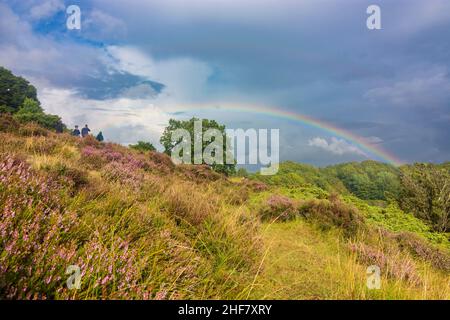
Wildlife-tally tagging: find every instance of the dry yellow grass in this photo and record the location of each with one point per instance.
(303, 262)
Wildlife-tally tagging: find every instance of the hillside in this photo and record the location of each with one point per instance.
(140, 227)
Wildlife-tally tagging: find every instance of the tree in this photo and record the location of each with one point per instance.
(188, 125)
(14, 90)
(31, 111)
(143, 146)
(18, 97)
(369, 180)
(30, 106)
(426, 193)
(5, 109)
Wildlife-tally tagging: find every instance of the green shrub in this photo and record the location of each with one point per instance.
(333, 212)
(279, 208)
(143, 146)
(32, 129)
(8, 123)
(30, 111)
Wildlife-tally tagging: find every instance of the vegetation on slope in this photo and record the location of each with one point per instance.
(420, 189)
(140, 227)
(136, 225)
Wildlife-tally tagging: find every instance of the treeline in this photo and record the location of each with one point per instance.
(368, 180)
(421, 189)
(18, 99)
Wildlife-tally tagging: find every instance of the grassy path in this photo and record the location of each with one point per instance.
(302, 262)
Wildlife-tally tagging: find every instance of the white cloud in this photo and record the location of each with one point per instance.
(122, 120)
(185, 78)
(335, 146)
(45, 9)
(139, 91)
(29, 54)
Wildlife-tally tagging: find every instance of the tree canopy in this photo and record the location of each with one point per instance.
(426, 193)
(369, 180)
(18, 97)
(14, 90)
(188, 125)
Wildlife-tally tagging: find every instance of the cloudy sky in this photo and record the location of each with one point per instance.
(135, 64)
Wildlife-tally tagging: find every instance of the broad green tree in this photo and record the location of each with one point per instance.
(188, 125)
(14, 90)
(426, 193)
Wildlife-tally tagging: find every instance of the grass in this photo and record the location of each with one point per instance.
(141, 228)
(306, 263)
(144, 231)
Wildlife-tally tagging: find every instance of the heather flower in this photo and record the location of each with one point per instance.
(391, 263)
(280, 208)
(35, 252)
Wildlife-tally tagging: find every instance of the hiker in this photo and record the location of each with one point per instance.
(100, 137)
(85, 131)
(76, 132)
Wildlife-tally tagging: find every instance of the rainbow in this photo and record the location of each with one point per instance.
(360, 142)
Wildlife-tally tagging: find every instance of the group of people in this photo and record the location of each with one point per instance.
(85, 132)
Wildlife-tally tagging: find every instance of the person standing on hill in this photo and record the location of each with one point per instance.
(85, 131)
(100, 137)
(76, 132)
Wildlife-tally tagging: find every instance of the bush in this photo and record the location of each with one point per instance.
(161, 162)
(74, 177)
(8, 123)
(420, 248)
(200, 173)
(32, 112)
(332, 212)
(92, 157)
(279, 208)
(241, 172)
(255, 185)
(14, 90)
(143, 146)
(390, 263)
(32, 130)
